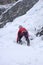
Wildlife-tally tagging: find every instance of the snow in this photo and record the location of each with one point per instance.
(12, 53)
(4, 6)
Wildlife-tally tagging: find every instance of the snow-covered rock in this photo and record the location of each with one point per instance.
(17, 9)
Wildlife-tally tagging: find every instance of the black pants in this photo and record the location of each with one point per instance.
(25, 34)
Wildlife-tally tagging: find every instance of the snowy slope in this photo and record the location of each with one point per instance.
(12, 53)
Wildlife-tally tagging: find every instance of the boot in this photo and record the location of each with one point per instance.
(20, 42)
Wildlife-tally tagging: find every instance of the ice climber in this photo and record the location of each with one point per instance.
(22, 32)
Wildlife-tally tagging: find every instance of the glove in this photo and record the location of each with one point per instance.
(17, 40)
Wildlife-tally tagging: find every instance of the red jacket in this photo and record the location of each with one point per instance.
(21, 30)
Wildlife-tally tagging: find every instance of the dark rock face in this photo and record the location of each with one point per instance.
(18, 9)
(40, 32)
(2, 10)
(6, 1)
